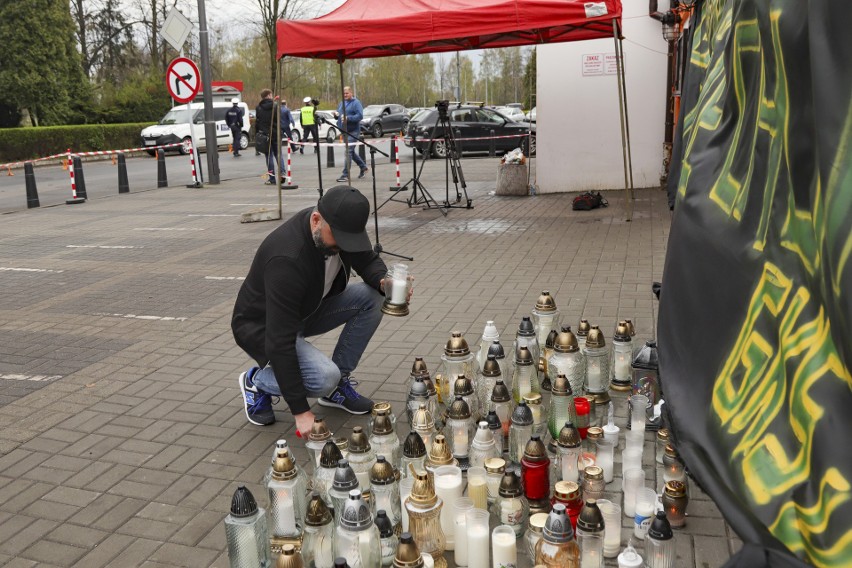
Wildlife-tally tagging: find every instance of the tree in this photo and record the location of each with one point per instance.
(270, 12)
(103, 36)
(530, 81)
(40, 71)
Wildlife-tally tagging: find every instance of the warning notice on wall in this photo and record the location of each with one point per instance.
(610, 64)
(593, 64)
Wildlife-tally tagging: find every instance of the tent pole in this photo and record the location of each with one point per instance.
(626, 116)
(621, 107)
(345, 135)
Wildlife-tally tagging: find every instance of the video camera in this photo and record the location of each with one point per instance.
(442, 106)
(315, 102)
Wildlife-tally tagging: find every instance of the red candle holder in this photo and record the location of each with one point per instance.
(583, 408)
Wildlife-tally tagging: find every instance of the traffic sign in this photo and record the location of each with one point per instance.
(183, 79)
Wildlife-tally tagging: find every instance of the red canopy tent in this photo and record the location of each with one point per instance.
(382, 28)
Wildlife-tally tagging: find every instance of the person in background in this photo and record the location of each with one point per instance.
(234, 120)
(265, 137)
(349, 115)
(287, 124)
(308, 118)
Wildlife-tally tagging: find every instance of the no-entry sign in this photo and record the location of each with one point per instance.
(183, 79)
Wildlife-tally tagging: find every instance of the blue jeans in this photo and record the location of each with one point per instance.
(358, 310)
(352, 155)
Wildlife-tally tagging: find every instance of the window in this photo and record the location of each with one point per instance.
(488, 116)
(219, 113)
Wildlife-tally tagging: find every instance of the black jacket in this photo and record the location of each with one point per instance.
(234, 117)
(263, 116)
(283, 288)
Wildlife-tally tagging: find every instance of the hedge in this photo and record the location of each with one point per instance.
(17, 144)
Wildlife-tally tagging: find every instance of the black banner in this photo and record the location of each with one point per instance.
(755, 329)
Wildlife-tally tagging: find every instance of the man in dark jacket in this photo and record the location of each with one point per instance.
(266, 133)
(234, 120)
(297, 288)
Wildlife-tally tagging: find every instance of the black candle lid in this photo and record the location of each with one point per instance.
(243, 503)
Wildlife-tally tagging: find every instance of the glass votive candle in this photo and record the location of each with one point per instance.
(612, 527)
(591, 550)
(583, 407)
(634, 480)
(504, 547)
(673, 468)
(460, 508)
(593, 482)
(638, 406)
(477, 487)
(478, 542)
(396, 299)
(674, 503)
(634, 439)
(533, 534)
(494, 470)
(662, 442)
(448, 486)
(631, 458)
(405, 485)
(604, 458)
(646, 499)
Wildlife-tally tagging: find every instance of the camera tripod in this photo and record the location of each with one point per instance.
(452, 159)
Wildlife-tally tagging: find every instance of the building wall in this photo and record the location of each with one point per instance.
(578, 130)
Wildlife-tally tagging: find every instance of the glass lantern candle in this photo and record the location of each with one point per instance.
(487, 380)
(622, 358)
(439, 455)
(420, 371)
(382, 408)
(674, 503)
(324, 475)
(407, 553)
(504, 547)
(318, 538)
(659, 543)
(597, 357)
(525, 376)
(526, 337)
(384, 488)
(396, 302)
(662, 442)
(483, 447)
(287, 493)
(489, 336)
(357, 538)
(582, 332)
(520, 431)
(590, 531)
(533, 534)
(583, 408)
(593, 482)
(387, 537)
(545, 316)
(673, 468)
(646, 372)
(413, 453)
(569, 494)
(463, 387)
(496, 429)
(317, 438)
(546, 354)
(568, 448)
(417, 394)
(561, 405)
(567, 359)
(611, 513)
(477, 486)
(457, 361)
(424, 424)
(361, 457)
(501, 404)
(424, 518)
(494, 470)
(246, 531)
(557, 547)
(535, 471)
(511, 507)
(384, 441)
(637, 407)
(460, 431)
(499, 353)
(344, 482)
(539, 416)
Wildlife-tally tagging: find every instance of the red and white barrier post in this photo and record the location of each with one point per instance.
(74, 199)
(397, 186)
(289, 184)
(195, 182)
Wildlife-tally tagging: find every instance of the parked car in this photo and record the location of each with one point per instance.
(471, 125)
(531, 115)
(174, 127)
(327, 126)
(514, 113)
(379, 119)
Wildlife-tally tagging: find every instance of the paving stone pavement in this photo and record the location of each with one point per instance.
(122, 431)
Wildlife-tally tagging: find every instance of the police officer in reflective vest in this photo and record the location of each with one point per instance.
(234, 120)
(309, 124)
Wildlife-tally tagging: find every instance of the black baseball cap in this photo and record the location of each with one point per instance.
(346, 211)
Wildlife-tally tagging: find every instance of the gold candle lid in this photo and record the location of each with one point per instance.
(463, 386)
(330, 455)
(545, 302)
(495, 465)
(491, 368)
(413, 446)
(422, 419)
(671, 451)
(593, 473)
(319, 431)
(407, 554)
(595, 339)
(630, 329)
(459, 409)
(566, 342)
(567, 490)
(500, 392)
(289, 558)
(439, 453)
(561, 386)
(534, 450)
(537, 522)
(283, 466)
(622, 333)
(418, 368)
(663, 435)
(675, 489)
(583, 328)
(532, 398)
(382, 472)
(382, 425)
(423, 490)
(510, 485)
(523, 357)
(358, 441)
(381, 409)
(594, 433)
(317, 514)
(569, 436)
(456, 346)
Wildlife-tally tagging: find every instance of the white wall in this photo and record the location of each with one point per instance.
(578, 130)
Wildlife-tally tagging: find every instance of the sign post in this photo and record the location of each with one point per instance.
(183, 80)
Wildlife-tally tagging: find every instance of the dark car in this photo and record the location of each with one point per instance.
(379, 119)
(472, 126)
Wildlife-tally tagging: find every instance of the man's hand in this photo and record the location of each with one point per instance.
(304, 422)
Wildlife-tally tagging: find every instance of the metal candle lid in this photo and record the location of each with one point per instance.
(557, 528)
(317, 514)
(550, 340)
(382, 472)
(663, 435)
(491, 368)
(418, 389)
(594, 433)
(283, 466)
(459, 409)
(407, 554)
(526, 327)
(522, 415)
(561, 386)
(675, 489)
(384, 524)
(456, 346)
(593, 473)
(382, 408)
(422, 419)
(496, 349)
(523, 357)
(289, 558)
(382, 425)
(567, 490)
(423, 490)
(591, 518)
(418, 368)
(595, 339)
(358, 441)
(537, 522)
(439, 453)
(430, 386)
(630, 329)
(583, 328)
(622, 333)
(566, 341)
(660, 528)
(569, 436)
(356, 513)
(532, 398)
(483, 434)
(413, 446)
(500, 392)
(545, 302)
(647, 357)
(330, 455)
(493, 420)
(243, 503)
(495, 465)
(344, 477)
(319, 431)
(462, 386)
(535, 450)
(510, 485)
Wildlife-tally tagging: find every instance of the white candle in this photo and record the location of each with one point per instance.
(604, 460)
(524, 381)
(405, 486)
(504, 546)
(448, 486)
(477, 547)
(398, 291)
(284, 516)
(461, 441)
(569, 466)
(590, 559)
(478, 492)
(363, 478)
(622, 367)
(461, 554)
(593, 374)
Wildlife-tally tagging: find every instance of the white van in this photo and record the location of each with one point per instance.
(174, 128)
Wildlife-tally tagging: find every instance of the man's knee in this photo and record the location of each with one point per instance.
(330, 378)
